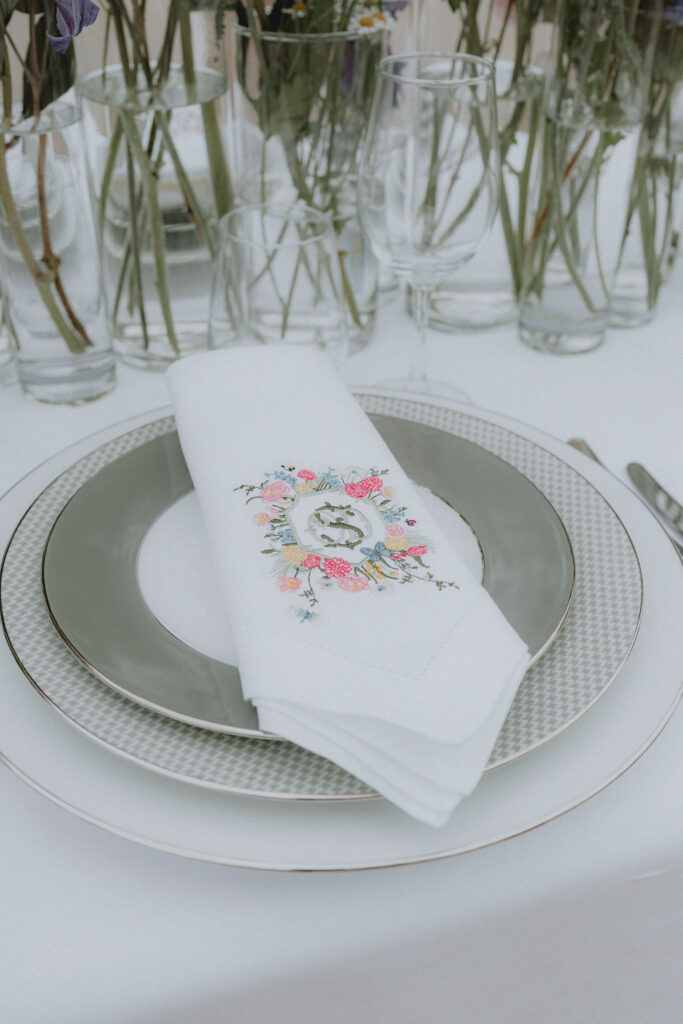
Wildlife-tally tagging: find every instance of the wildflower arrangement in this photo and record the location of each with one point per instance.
(48, 72)
(306, 72)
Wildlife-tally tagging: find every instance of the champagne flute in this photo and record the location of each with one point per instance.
(428, 179)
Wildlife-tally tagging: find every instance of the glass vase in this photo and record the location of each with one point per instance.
(300, 104)
(518, 39)
(156, 131)
(49, 260)
(594, 108)
(484, 292)
(655, 201)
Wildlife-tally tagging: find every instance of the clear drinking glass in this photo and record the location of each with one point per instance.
(428, 178)
(277, 279)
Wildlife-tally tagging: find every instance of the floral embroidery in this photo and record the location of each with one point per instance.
(337, 530)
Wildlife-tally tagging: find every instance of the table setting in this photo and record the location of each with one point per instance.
(341, 522)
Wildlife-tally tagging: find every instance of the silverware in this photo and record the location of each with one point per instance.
(666, 509)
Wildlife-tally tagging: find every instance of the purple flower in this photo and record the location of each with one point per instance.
(72, 17)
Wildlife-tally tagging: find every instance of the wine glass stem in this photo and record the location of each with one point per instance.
(421, 294)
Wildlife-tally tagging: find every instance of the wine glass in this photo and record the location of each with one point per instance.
(428, 179)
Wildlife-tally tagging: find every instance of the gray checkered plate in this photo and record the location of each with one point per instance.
(94, 595)
(587, 654)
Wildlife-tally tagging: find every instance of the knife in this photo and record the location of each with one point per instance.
(666, 506)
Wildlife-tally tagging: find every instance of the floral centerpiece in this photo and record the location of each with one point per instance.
(596, 102)
(48, 255)
(655, 193)
(156, 132)
(304, 74)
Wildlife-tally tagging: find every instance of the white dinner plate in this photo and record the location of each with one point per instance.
(149, 808)
(589, 651)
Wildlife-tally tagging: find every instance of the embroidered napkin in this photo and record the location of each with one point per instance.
(359, 632)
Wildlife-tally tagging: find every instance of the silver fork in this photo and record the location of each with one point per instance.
(656, 498)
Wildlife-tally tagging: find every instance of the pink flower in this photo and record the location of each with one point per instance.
(261, 518)
(274, 491)
(411, 522)
(353, 584)
(374, 483)
(311, 562)
(287, 583)
(395, 530)
(306, 474)
(399, 554)
(420, 549)
(337, 567)
(356, 490)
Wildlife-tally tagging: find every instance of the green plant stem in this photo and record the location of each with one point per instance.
(43, 279)
(149, 185)
(135, 247)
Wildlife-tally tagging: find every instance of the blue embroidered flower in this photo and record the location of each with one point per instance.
(374, 554)
(392, 515)
(305, 615)
(72, 17)
(283, 536)
(332, 479)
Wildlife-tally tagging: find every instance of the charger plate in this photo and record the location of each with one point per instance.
(146, 807)
(96, 602)
(586, 656)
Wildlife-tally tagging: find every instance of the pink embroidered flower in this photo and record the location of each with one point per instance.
(399, 554)
(287, 583)
(306, 474)
(395, 530)
(411, 522)
(261, 518)
(311, 561)
(274, 491)
(356, 490)
(417, 551)
(353, 584)
(374, 483)
(337, 567)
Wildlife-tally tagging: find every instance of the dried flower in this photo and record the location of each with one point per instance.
(72, 17)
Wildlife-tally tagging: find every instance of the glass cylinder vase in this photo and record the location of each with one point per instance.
(156, 129)
(517, 38)
(49, 260)
(300, 103)
(594, 108)
(655, 199)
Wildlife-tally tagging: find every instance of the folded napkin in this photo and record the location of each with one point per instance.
(359, 632)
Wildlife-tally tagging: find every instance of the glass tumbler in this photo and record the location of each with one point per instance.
(277, 280)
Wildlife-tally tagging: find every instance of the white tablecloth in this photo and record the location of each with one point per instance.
(579, 921)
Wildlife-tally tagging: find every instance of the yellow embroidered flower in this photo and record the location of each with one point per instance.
(304, 485)
(292, 553)
(396, 543)
(387, 492)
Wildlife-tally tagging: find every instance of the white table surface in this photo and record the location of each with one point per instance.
(579, 922)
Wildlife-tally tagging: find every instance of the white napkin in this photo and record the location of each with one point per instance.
(359, 632)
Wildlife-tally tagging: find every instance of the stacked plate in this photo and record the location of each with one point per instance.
(109, 609)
